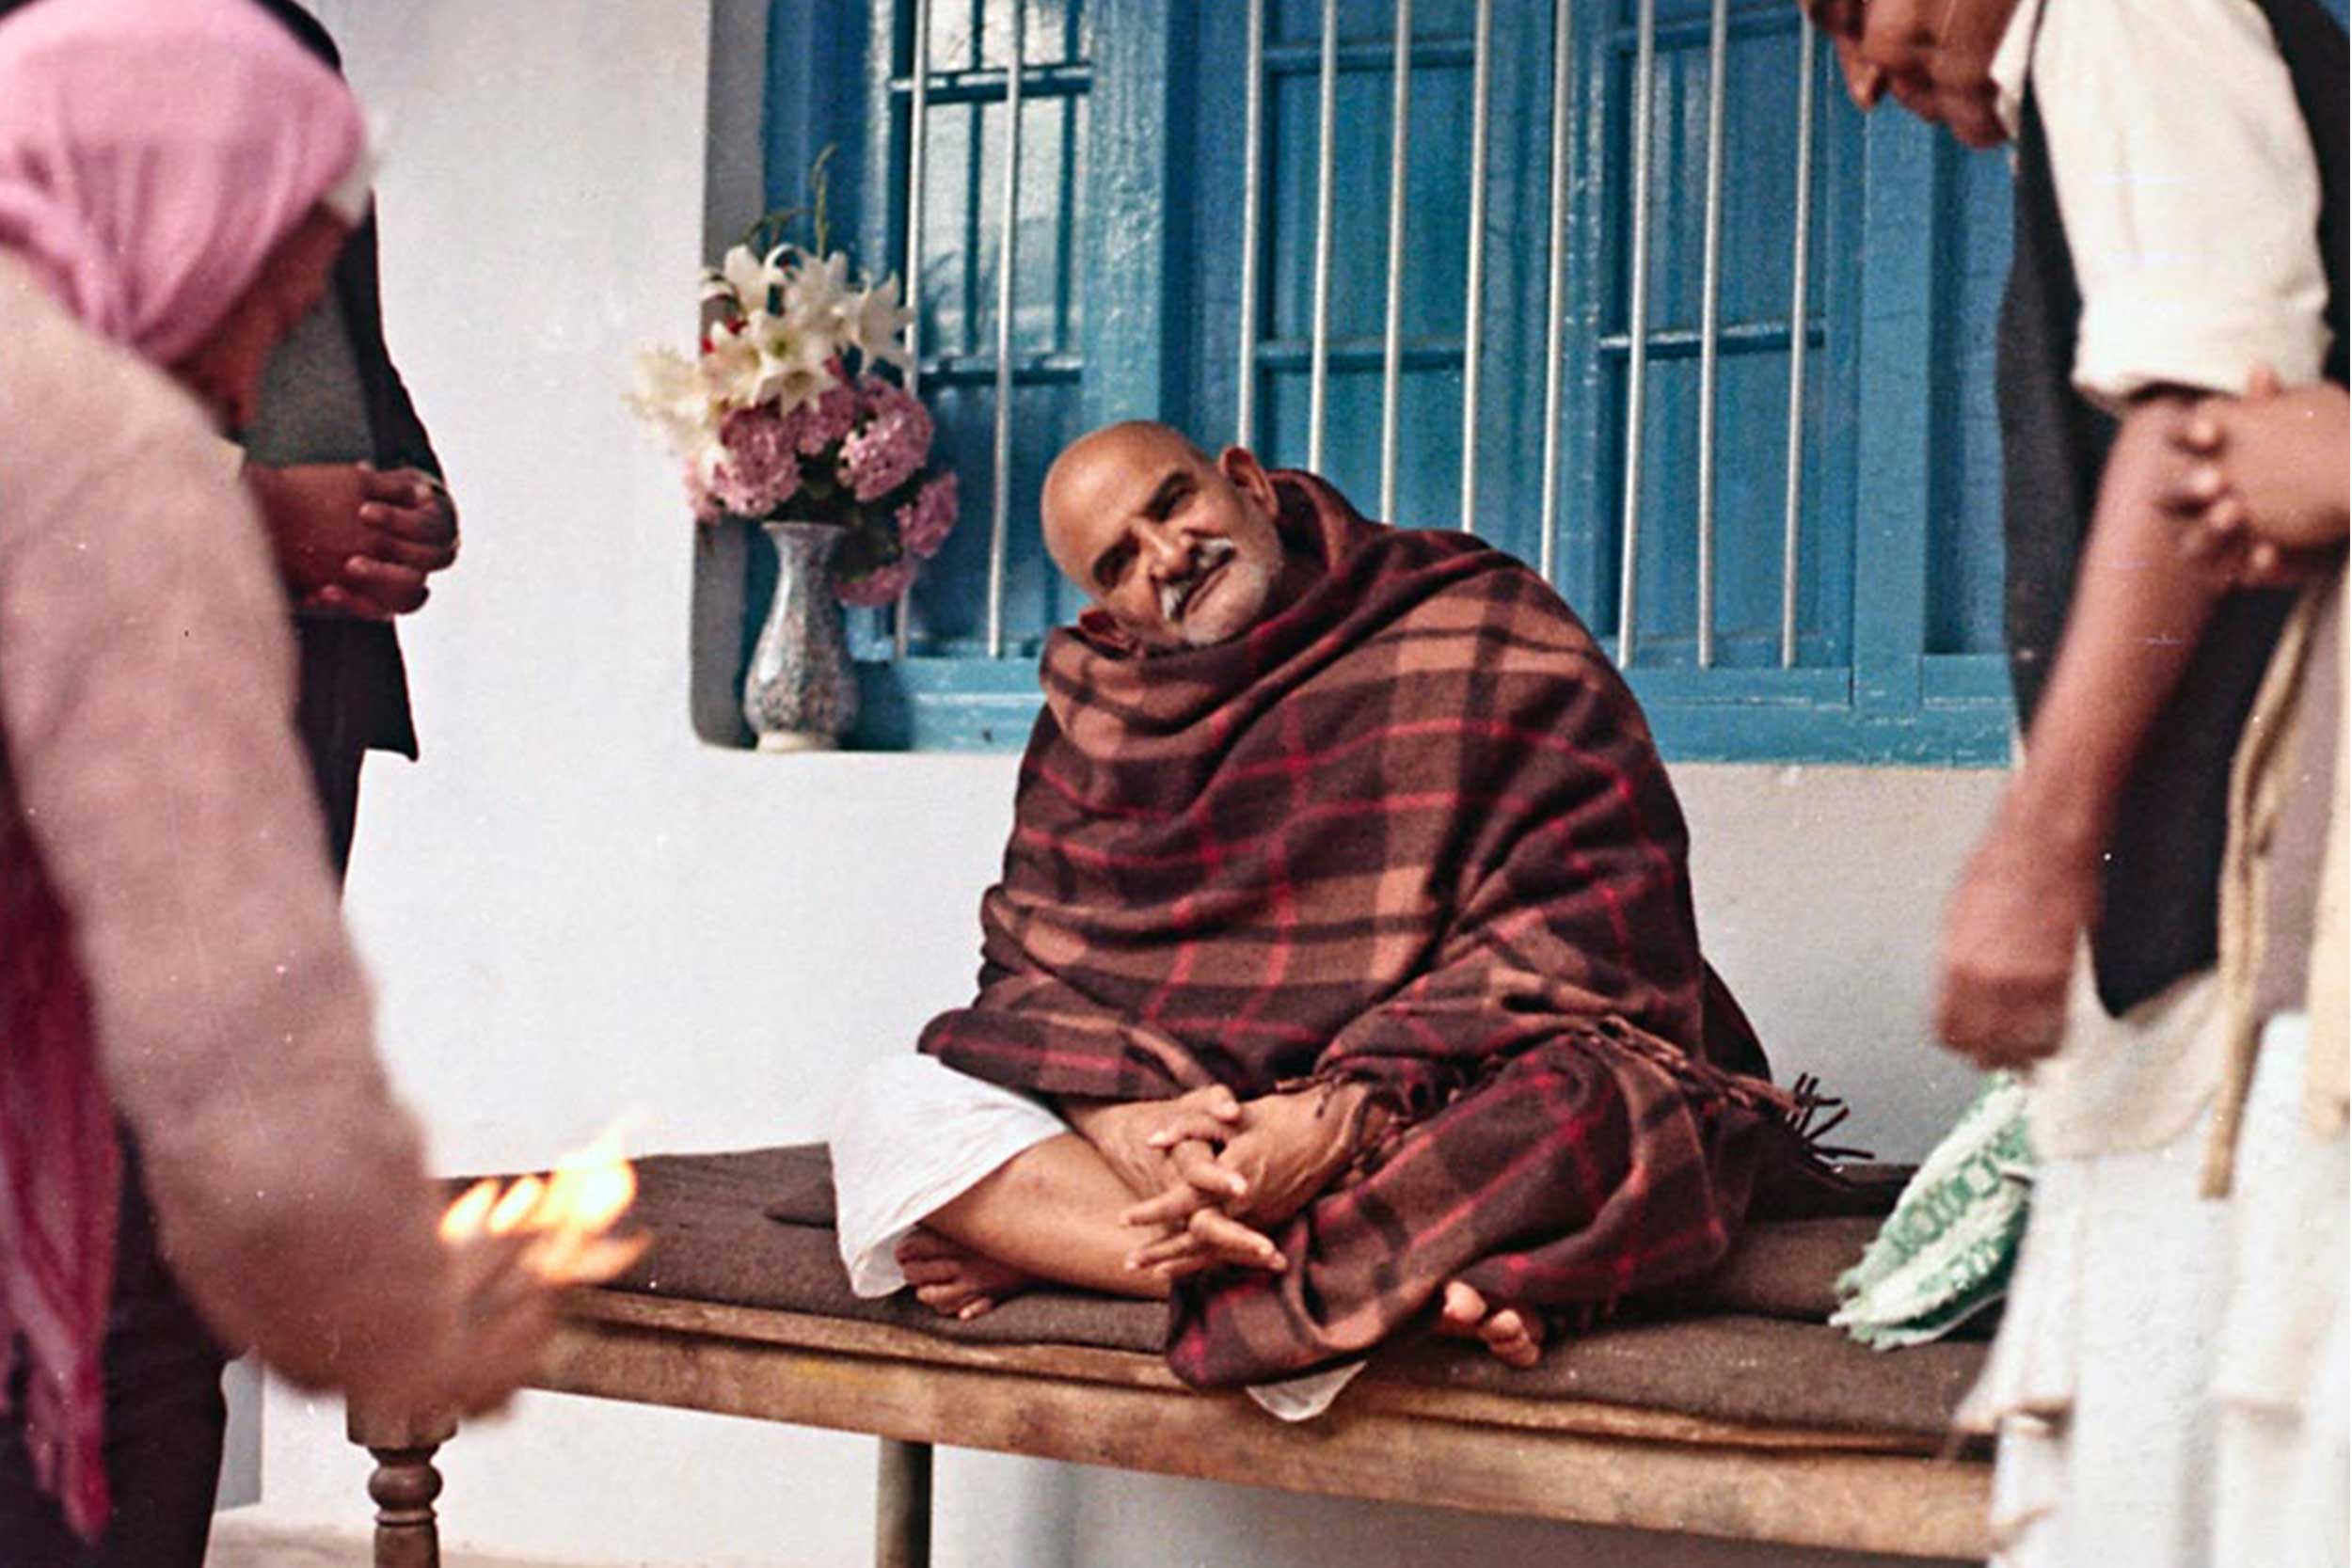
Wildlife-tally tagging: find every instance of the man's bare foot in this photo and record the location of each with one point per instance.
(1515, 1337)
(954, 1280)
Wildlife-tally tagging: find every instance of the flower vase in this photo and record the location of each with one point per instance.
(801, 692)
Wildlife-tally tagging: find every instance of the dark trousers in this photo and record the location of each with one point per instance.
(165, 1420)
(335, 779)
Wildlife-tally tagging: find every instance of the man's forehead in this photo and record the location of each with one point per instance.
(1113, 481)
(1131, 467)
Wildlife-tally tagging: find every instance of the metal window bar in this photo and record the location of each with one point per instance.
(1556, 292)
(1637, 353)
(1252, 196)
(1000, 500)
(1482, 74)
(1327, 154)
(918, 155)
(1392, 331)
(1711, 310)
(1799, 257)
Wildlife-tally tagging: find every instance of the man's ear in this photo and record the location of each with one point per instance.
(1241, 466)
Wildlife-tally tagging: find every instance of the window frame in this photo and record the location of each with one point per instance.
(1893, 702)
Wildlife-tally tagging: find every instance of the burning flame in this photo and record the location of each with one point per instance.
(566, 1216)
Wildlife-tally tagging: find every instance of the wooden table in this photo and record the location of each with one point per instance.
(1387, 1437)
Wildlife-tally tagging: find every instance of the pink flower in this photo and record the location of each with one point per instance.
(826, 418)
(759, 471)
(889, 448)
(925, 522)
(879, 587)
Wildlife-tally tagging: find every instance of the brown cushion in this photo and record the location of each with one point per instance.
(713, 1240)
(1762, 1370)
(1779, 1269)
(753, 1229)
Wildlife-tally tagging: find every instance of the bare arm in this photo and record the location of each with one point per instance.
(2031, 887)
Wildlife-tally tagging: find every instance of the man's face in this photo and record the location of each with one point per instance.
(1935, 57)
(224, 370)
(1180, 551)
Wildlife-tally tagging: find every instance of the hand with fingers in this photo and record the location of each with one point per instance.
(2009, 941)
(1128, 1134)
(354, 540)
(2260, 497)
(1165, 1150)
(1285, 1151)
(489, 1335)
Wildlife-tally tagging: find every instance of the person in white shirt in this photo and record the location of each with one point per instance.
(2179, 232)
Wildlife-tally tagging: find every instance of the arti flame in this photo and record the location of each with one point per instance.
(566, 1216)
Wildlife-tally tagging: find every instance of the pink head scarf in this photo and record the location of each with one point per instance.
(152, 153)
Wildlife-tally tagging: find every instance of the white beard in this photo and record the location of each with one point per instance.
(1205, 559)
(1241, 598)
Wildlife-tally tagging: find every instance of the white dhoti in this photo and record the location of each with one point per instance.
(2169, 1386)
(910, 1136)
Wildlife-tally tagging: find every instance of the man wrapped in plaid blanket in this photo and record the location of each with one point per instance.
(1343, 975)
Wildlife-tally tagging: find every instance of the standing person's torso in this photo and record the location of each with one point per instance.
(2160, 901)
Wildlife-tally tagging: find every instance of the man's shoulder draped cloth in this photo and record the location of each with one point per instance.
(1409, 830)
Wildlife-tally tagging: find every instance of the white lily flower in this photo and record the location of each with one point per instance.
(733, 366)
(764, 358)
(748, 279)
(818, 299)
(877, 324)
(673, 396)
(796, 364)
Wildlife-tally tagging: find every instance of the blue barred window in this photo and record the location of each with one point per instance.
(1599, 220)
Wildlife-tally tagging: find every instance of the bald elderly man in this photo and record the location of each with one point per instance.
(1342, 976)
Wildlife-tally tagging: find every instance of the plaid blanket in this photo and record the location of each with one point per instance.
(1409, 832)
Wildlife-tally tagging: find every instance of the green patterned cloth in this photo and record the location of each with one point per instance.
(1945, 1254)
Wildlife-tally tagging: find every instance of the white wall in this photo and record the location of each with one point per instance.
(575, 908)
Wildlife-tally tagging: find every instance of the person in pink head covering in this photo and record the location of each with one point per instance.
(182, 1022)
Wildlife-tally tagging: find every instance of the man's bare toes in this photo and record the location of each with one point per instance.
(1462, 1309)
(919, 1244)
(1514, 1337)
(930, 1271)
(948, 1299)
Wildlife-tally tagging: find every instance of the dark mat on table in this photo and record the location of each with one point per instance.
(754, 1229)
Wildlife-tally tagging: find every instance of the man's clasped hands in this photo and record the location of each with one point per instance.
(354, 540)
(1219, 1173)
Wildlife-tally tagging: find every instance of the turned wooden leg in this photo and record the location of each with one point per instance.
(902, 1506)
(403, 1484)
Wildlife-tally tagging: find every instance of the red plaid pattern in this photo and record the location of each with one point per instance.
(1410, 830)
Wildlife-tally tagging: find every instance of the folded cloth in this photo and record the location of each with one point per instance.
(1409, 832)
(1946, 1252)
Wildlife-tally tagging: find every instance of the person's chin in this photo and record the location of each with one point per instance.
(1224, 609)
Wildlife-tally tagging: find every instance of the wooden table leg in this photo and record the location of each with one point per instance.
(405, 1483)
(902, 1506)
